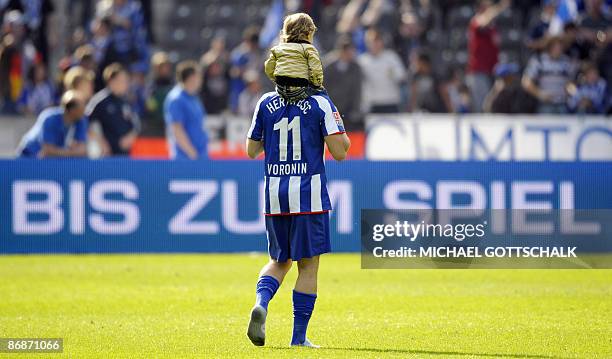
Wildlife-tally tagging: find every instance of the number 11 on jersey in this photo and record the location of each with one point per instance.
(284, 126)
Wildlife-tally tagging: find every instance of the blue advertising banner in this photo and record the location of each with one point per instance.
(106, 206)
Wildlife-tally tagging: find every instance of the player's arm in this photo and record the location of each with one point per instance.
(78, 149)
(182, 140)
(254, 141)
(332, 129)
(50, 147)
(96, 133)
(97, 137)
(254, 148)
(175, 115)
(338, 145)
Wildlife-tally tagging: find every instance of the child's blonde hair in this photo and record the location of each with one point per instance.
(297, 27)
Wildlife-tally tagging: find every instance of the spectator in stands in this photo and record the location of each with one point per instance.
(538, 33)
(507, 95)
(483, 49)
(148, 17)
(591, 96)
(17, 55)
(78, 37)
(349, 24)
(215, 66)
(382, 15)
(128, 37)
(247, 56)
(138, 87)
(604, 58)
(161, 83)
(184, 115)
(455, 94)
(58, 132)
(84, 56)
(344, 83)
(465, 99)
(596, 28)
(314, 8)
(424, 86)
(576, 47)
(36, 15)
(39, 92)
(415, 23)
(111, 110)
(547, 77)
(594, 21)
(79, 13)
(100, 38)
(250, 96)
(81, 80)
(383, 73)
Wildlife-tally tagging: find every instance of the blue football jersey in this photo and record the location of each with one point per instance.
(293, 139)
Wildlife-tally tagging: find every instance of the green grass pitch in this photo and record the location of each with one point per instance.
(177, 306)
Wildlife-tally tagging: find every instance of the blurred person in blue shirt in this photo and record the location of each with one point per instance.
(536, 36)
(128, 33)
(184, 114)
(137, 93)
(246, 56)
(591, 95)
(58, 132)
(39, 92)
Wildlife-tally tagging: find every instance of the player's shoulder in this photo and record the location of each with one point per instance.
(97, 99)
(267, 98)
(52, 114)
(323, 102)
(174, 94)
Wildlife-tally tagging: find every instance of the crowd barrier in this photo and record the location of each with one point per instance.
(428, 137)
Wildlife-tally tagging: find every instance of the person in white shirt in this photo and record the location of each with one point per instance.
(383, 74)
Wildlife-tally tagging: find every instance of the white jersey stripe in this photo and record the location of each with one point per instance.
(256, 113)
(294, 194)
(315, 193)
(265, 192)
(273, 186)
(330, 122)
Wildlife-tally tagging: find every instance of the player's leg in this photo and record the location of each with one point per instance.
(308, 270)
(270, 277)
(309, 239)
(304, 297)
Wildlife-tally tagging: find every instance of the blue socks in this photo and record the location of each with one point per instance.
(303, 305)
(266, 288)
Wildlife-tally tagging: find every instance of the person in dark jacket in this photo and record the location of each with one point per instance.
(344, 82)
(111, 110)
(507, 95)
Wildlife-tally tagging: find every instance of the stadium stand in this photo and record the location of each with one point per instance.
(189, 29)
